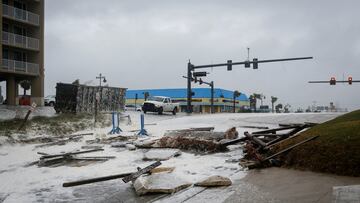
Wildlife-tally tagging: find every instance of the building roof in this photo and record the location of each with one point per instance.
(182, 93)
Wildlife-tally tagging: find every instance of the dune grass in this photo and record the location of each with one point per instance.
(336, 150)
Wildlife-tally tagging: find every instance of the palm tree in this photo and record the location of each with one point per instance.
(273, 100)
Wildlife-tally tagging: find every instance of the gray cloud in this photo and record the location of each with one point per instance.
(146, 44)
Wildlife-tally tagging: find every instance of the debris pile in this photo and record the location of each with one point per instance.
(259, 144)
(194, 139)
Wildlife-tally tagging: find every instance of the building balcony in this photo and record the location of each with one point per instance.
(20, 67)
(21, 15)
(20, 41)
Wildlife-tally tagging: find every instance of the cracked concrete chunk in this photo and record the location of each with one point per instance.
(160, 183)
(346, 194)
(130, 147)
(214, 181)
(161, 154)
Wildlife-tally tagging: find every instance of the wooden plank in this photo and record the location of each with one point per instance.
(140, 172)
(291, 147)
(255, 139)
(94, 180)
(274, 130)
(70, 153)
(234, 141)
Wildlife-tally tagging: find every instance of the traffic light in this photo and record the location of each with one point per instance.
(350, 80)
(247, 64)
(332, 81)
(236, 94)
(199, 74)
(255, 64)
(136, 96)
(192, 93)
(229, 65)
(200, 81)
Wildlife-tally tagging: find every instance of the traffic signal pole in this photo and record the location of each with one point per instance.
(189, 93)
(229, 64)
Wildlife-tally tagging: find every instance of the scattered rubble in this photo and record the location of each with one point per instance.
(111, 139)
(193, 139)
(214, 181)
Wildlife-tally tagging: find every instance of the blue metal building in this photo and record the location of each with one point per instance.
(223, 99)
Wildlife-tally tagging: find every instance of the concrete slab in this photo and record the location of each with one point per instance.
(161, 154)
(160, 183)
(346, 194)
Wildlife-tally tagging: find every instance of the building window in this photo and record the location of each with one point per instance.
(5, 54)
(5, 27)
(20, 5)
(6, 2)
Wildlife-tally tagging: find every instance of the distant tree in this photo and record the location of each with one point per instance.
(278, 108)
(273, 100)
(26, 85)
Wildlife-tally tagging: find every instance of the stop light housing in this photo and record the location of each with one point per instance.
(192, 93)
(200, 81)
(350, 80)
(199, 74)
(332, 81)
(255, 63)
(247, 64)
(229, 65)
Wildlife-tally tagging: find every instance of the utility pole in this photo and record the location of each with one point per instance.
(212, 96)
(101, 77)
(229, 64)
(236, 94)
(189, 93)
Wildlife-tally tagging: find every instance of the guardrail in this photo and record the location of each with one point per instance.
(20, 41)
(22, 15)
(20, 67)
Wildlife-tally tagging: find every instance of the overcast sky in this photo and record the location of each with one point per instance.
(147, 44)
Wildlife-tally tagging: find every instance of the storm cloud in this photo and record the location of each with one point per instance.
(147, 44)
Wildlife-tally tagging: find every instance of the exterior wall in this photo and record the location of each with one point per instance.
(30, 56)
(200, 105)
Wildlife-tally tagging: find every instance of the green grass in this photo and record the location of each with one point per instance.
(59, 125)
(336, 150)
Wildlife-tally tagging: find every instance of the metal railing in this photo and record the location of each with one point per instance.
(20, 41)
(20, 67)
(21, 15)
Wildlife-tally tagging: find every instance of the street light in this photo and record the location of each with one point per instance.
(101, 77)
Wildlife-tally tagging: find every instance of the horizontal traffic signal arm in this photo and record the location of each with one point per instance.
(251, 62)
(337, 81)
(199, 80)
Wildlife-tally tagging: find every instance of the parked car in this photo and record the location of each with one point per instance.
(49, 100)
(160, 104)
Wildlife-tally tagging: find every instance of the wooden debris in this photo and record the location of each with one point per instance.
(206, 129)
(59, 159)
(257, 127)
(95, 180)
(162, 170)
(291, 147)
(140, 171)
(126, 176)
